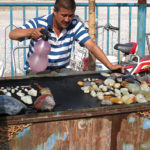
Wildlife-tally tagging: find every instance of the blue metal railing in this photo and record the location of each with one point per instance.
(140, 22)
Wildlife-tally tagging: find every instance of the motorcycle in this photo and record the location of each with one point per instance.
(133, 63)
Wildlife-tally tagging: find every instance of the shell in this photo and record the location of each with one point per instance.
(85, 79)
(4, 90)
(124, 83)
(94, 79)
(144, 87)
(95, 87)
(92, 83)
(27, 99)
(26, 90)
(99, 82)
(45, 91)
(117, 85)
(140, 98)
(8, 93)
(105, 74)
(93, 93)
(116, 100)
(116, 75)
(19, 93)
(106, 102)
(100, 95)
(12, 90)
(32, 92)
(109, 93)
(128, 99)
(8, 88)
(44, 102)
(80, 83)
(88, 79)
(147, 96)
(119, 79)
(16, 88)
(85, 89)
(107, 97)
(87, 83)
(124, 91)
(110, 88)
(109, 82)
(118, 93)
(133, 88)
(104, 89)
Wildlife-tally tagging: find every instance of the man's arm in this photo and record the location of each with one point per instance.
(19, 34)
(99, 54)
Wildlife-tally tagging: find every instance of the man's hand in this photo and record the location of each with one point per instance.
(36, 34)
(117, 67)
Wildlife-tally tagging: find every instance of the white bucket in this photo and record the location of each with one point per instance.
(100, 66)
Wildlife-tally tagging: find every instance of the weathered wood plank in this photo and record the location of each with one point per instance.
(134, 133)
(74, 114)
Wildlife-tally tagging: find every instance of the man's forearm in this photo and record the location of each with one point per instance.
(18, 34)
(98, 53)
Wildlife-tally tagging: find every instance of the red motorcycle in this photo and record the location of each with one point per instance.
(136, 65)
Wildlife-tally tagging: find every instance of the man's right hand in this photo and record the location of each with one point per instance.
(36, 34)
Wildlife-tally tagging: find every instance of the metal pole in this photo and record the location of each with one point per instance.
(141, 29)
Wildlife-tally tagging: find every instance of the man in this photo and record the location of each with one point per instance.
(64, 28)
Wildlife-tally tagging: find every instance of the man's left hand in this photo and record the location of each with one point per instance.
(117, 67)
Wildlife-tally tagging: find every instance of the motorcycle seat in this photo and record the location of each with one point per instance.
(127, 48)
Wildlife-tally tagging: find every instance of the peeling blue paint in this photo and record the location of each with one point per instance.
(23, 132)
(64, 74)
(51, 141)
(64, 137)
(58, 113)
(145, 145)
(146, 123)
(39, 147)
(82, 122)
(131, 120)
(128, 147)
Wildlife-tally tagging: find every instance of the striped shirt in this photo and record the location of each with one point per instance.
(59, 56)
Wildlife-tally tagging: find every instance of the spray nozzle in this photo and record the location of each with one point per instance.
(46, 34)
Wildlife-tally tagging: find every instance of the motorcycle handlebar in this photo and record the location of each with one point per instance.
(109, 27)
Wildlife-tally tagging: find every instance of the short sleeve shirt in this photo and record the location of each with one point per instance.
(59, 56)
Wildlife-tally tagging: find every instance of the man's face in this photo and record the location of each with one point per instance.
(63, 17)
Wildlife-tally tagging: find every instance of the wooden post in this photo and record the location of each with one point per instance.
(92, 33)
(142, 1)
